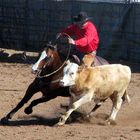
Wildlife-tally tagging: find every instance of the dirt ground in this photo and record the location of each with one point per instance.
(14, 80)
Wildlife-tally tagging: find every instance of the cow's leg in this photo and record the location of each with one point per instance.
(126, 97)
(86, 98)
(70, 103)
(32, 89)
(117, 102)
(93, 110)
(72, 100)
(98, 103)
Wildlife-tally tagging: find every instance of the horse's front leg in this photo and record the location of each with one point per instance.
(46, 97)
(29, 109)
(32, 89)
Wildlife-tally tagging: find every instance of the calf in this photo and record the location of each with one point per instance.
(98, 83)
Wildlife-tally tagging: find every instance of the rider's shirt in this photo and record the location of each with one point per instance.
(86, 37)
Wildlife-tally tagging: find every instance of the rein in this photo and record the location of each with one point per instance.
(47, 75)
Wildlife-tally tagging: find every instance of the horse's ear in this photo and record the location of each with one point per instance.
(55, 47)
(51, 46)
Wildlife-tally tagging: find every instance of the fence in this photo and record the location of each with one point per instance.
(27, 24)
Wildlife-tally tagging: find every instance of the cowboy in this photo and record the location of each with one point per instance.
(86, 38)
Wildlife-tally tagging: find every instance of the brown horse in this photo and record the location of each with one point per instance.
(49, 70)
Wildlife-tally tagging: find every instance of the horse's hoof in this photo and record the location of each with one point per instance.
(4, 120)
(28, 110)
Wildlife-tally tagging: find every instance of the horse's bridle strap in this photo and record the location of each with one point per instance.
(47, 75)
(55, 81)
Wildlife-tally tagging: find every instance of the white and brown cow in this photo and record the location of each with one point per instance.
(98, 83)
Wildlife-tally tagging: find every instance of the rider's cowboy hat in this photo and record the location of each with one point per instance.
(81, 17)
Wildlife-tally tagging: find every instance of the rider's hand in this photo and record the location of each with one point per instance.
(71, 41)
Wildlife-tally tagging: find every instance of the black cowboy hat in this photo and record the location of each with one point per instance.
(81, 17)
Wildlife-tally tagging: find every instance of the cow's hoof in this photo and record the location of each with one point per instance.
(64, 106)
(4, 120)
(88, 116)
(111, 122)
(28, 110)
(59, 124)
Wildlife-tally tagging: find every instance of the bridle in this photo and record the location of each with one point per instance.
(47, 75)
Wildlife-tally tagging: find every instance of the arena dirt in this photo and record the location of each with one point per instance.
(14, 80)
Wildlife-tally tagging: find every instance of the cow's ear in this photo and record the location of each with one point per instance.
(67, 62)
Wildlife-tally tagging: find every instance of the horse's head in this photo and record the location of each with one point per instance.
(46, 59)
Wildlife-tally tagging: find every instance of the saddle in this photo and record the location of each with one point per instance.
(89, 60)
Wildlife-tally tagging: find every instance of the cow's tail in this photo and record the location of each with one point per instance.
(126, 97)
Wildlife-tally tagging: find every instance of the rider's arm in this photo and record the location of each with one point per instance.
(90, 34)
(69, 30)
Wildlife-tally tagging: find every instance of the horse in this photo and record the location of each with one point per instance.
(49, 70)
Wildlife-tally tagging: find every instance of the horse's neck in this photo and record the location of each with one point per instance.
(57, 62)
(57, 67)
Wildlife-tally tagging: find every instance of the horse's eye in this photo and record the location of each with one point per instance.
(47, 58)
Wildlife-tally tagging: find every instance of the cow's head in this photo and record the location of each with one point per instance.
(69, 74)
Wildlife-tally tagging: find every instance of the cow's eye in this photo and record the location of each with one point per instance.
(71, 74)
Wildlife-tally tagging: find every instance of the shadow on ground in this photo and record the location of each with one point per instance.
(17, 58)
(34, 120)
(76, 117)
